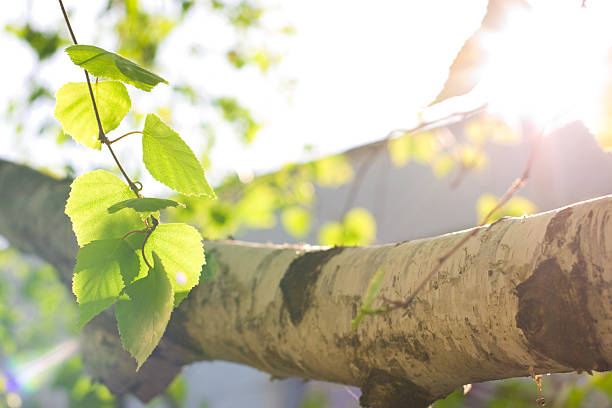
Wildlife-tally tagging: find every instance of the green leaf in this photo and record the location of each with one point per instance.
(102, 270)
(420, 146)
(516, 207)
(102, 63)
(74, 110)
(333, 171)
(180, 248)
(144, 205)
(90, 196)
(171, 161)
(371, 293)
(357, 228)
(296, 221)
(374, 287)
(142, 318)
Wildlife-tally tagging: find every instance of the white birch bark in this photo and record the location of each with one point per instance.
(523, 292)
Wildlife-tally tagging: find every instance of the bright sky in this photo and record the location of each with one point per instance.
(361, 69)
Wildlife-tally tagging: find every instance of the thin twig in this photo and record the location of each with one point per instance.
(355, 187)
(514, 187)
(101, 135)
(143, 247)
(74, 40)
(121, 137)
(127, 234)
(150, 230)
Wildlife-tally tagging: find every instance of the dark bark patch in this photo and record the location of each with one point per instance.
(280, 363)
(298, 283)
(383, 390)
(557, 226)
(555, 319)
(408, 345)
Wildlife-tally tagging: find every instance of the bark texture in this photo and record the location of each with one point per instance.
(524, 292)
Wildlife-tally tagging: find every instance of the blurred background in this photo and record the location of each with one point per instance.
(315, 123)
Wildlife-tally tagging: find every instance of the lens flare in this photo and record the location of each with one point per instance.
(549, 63)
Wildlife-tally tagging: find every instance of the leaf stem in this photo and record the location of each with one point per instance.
(127, 234)
(101, 135)
(149, 232)
(74, 40)
(122, 136)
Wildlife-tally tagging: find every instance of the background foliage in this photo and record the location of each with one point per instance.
(44, 313)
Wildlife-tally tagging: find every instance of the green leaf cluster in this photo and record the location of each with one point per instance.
(44, 43)
(240, 117)
(127, 258)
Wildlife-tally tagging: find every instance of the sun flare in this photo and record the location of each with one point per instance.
(549, 63)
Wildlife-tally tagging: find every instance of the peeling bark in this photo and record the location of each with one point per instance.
(524, 292)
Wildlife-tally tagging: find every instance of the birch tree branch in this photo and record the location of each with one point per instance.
(524, 292)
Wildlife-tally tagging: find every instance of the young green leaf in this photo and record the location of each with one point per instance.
(142, 315)
(180, 248)
(102, 270)
(144, 205)
(90, 196)
(105, 64)
(372, 292)
(374, 288)
(171, 161)
(74, 110)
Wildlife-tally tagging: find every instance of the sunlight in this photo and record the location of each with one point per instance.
(26, 375)
(549, 64)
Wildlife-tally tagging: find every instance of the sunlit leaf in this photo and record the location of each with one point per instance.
(443, 164)
(142, 315)
(417, 146)
(296, 221)
(180, 248)
(238, 115)
(600, 121)
(177, 390)
(171, 161)
(135, 43)
(244, 14)
(472, 157)
(453, 400)
(374, 287)
(105, 64)
(102, 270)
(90, 196)
(465, 71)
(371, 293)
(603, 382)
(333, 171)
(515, 207)
(483, 129)
(75, 112)
(357, 228)
(331, 233)
(44, 43)
(144, 204)
(257, 207)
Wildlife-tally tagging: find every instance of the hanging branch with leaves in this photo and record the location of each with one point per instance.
(127, 258)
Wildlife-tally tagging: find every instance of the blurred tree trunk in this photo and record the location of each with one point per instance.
(533, 292)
